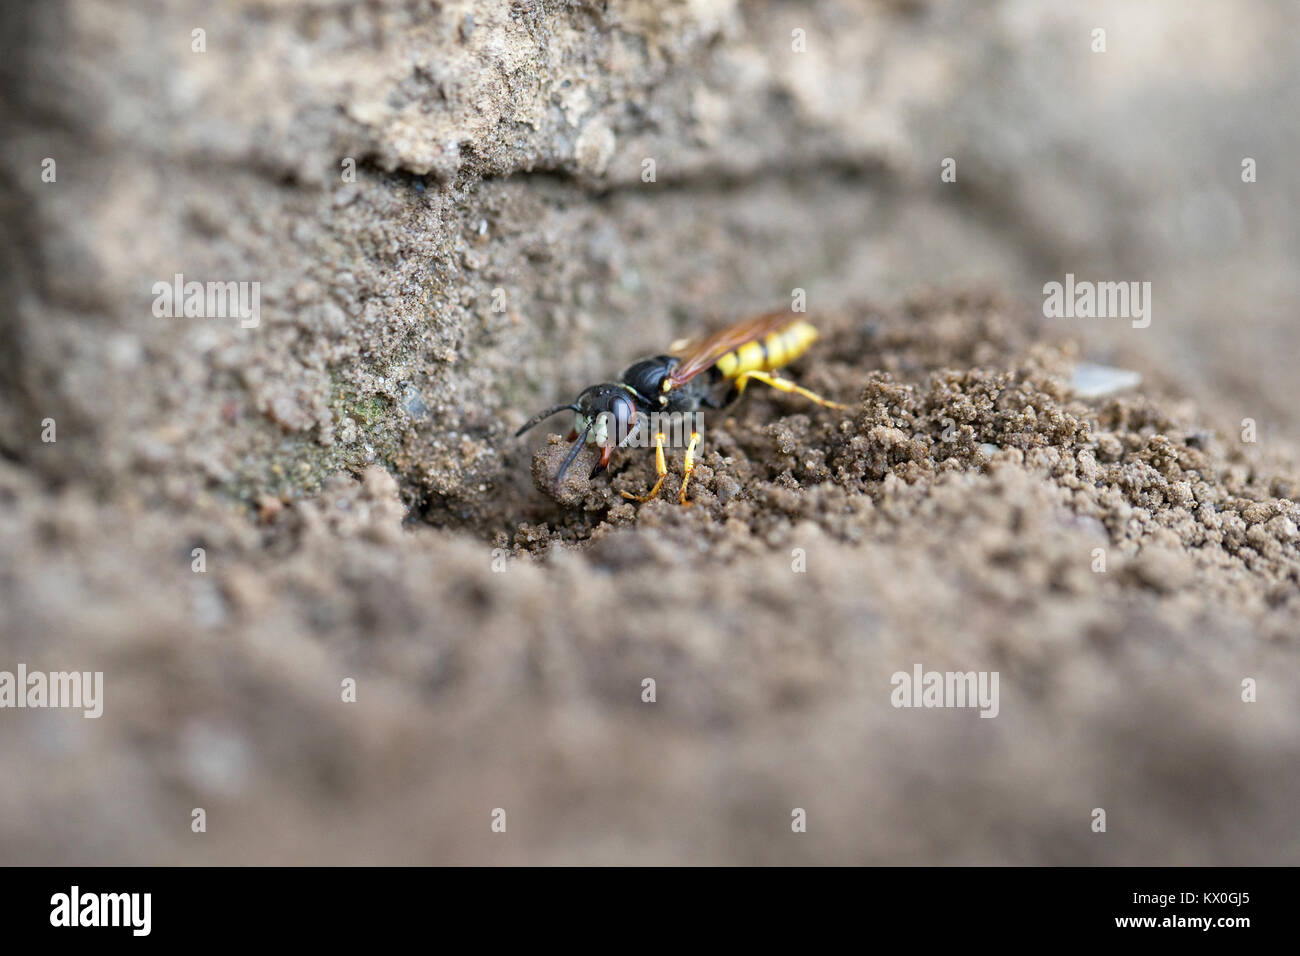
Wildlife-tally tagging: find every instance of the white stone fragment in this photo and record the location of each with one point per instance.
(1099, 381)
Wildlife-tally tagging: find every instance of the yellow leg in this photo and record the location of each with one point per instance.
(661, 467)
(784, 385)
(690, 465)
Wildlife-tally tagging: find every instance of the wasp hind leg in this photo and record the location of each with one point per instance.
(661, 467)
(690, 466)
(785, 385)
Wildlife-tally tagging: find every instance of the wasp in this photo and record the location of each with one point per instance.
(710, 373)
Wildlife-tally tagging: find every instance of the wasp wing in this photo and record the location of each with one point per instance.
(703, 355)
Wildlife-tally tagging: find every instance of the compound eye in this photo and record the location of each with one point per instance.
(624, 416)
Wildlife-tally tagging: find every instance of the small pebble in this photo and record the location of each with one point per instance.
(1099, 381)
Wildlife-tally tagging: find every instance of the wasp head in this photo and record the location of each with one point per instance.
(604, 414)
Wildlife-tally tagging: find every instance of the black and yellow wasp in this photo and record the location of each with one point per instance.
(753, 349)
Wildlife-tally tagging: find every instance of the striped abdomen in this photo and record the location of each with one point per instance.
(774, 350)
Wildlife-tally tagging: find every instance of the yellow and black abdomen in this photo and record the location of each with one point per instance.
(771, 352)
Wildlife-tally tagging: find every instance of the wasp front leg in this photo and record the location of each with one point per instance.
(661, 467)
